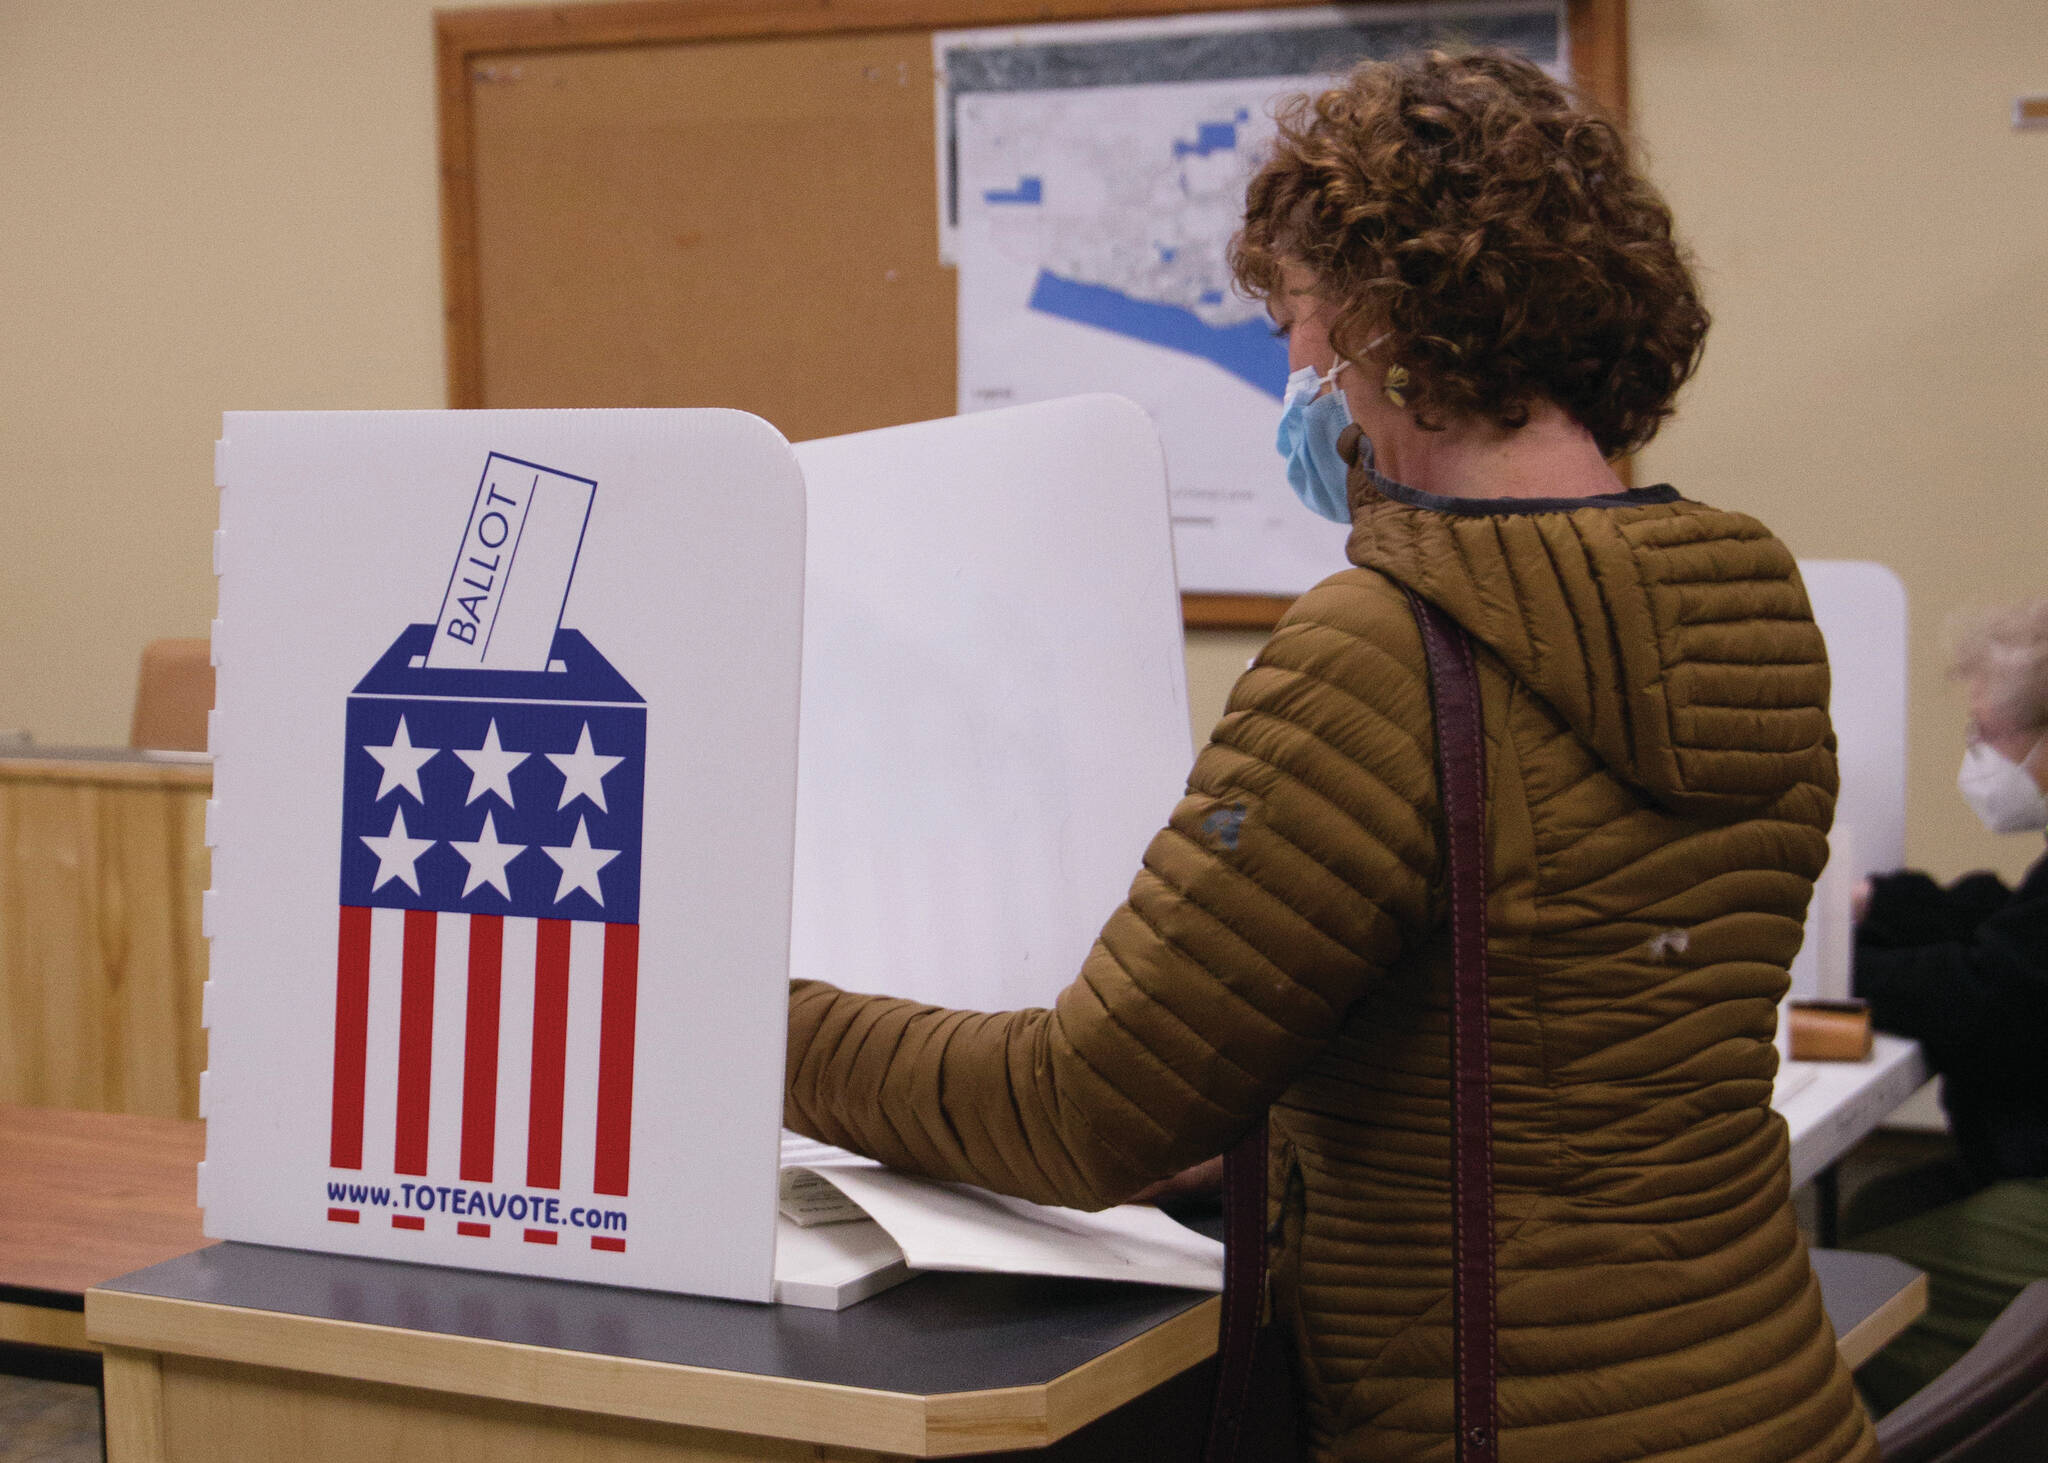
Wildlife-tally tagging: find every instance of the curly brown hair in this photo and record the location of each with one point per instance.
(1495, 229)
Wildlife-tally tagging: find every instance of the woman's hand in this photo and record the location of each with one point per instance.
(1199, 1182)
(1859, 902)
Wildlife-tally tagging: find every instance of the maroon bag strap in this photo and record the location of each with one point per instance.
(1244, 1293)
(1461, 778)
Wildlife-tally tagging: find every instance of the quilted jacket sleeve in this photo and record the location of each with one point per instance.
(1300, 863)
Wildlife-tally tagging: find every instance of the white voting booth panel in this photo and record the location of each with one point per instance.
(1861, 610)
(995, 700)
(994, 726)
(509, 836)
(502, 856)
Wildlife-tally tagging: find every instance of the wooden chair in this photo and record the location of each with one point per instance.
(172, 696)
(1991, 1406)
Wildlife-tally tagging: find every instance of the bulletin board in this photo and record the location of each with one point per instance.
(690, 203)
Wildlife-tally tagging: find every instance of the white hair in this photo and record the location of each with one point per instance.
(2005, 653)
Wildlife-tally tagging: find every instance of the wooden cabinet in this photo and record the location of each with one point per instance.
(102, 864)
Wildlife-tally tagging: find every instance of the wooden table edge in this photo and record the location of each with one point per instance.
(26, 1323)
(1871, 1334)
(940, 1425)
(87, 770)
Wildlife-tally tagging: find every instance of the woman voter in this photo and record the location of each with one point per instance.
(1484, 306)
(1964, 971)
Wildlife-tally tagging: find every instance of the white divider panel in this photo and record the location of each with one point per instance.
(1861, 610)
(512, 933)
(995, 701)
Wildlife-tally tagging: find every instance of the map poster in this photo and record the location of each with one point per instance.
(1091, 177)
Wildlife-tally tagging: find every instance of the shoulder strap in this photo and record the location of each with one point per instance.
(1461, 777)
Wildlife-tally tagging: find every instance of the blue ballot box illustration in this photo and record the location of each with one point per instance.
(488, 961)
(464, 763)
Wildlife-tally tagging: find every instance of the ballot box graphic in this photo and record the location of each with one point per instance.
(491, 835)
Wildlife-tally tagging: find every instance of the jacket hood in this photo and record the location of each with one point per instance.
(1675, 639)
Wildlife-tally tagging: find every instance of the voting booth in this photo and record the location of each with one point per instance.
(550, 744)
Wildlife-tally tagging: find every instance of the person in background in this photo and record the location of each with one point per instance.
(1963, 970)
(1484, 305)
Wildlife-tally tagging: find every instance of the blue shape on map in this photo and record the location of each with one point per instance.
(1247, 350)
(1165, 254)
(1028, 190)
(1209, 137)
(1212, 297)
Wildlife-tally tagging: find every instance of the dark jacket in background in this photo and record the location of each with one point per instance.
(1964, 971)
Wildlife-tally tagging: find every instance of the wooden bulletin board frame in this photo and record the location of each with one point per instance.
(467, 40)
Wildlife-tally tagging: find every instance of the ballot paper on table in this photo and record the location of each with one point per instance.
(947, 1226)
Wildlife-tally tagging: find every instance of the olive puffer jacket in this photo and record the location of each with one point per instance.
(1660, 777)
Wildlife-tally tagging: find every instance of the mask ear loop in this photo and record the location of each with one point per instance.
(1328, 380)
(1396, 380)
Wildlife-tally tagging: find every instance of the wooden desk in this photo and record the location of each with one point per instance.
(85, 1197)
(243, 1352)
(102, 864)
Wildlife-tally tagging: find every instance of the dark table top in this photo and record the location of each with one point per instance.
(935, 1334)
(938, 1333)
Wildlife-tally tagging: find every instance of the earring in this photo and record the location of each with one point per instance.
(1396, 385)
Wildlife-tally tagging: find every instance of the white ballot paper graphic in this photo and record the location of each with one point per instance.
(512, 574)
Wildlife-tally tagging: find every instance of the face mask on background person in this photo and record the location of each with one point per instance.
(1312, 416)
(2002, 792)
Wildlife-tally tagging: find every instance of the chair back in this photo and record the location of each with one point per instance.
(1991, 1406)
(172, 696)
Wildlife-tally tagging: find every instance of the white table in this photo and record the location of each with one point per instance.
(1831, 1106)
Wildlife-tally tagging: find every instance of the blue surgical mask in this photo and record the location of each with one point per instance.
(1311, 419)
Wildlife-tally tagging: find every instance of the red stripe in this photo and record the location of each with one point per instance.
(607, 1242)
(407, 1221)
(480, 1050)
(540, 1236)
(415, 1041)
(615, 1057)
(345, 1216)
(479, 1231)
(351, 1036)
(550, 1050)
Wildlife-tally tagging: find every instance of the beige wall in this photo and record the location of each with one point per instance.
(1874, 239)
(232, 204)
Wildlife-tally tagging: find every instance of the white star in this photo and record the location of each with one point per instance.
(401, 762)
(580, 863)
(583, 772)
(490, 768)
(396, 851)
(487, 859)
